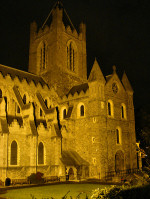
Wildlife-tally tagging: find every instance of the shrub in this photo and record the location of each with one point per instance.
(36, 178)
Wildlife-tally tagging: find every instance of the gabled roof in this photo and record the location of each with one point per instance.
(82, 87)
(13, 72)
(96, 73)
(126, 83)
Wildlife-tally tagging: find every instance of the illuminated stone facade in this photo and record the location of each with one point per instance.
(55, 120)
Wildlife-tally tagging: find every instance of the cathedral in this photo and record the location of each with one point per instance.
(56, 120)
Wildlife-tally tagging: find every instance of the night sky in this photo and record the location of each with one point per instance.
(117, 34)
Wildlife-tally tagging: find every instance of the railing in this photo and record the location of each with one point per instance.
(120, 173)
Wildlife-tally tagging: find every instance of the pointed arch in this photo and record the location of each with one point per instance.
(42, 56)
(110, 108)
(41, 153)
(72, 56)
(14, 153)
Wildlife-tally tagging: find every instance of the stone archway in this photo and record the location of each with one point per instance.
(119, 161)
(71, 174)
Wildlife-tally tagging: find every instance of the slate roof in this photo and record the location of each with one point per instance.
(82, 87)
(72, 158)
(13, 72)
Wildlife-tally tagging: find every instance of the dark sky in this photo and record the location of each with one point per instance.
(117, 34)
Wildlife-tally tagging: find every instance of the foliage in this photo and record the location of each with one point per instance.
(111, 192)
(36, 178)
(142, 124)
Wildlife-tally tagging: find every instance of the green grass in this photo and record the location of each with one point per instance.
(55, 191)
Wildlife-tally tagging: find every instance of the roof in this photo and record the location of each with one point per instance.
(13, 72)
(72, 158)
(82, 87)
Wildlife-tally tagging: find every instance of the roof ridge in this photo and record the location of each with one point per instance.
(19, 70)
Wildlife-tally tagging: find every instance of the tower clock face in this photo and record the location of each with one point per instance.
(114, 88)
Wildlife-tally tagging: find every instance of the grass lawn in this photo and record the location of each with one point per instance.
(55, 191)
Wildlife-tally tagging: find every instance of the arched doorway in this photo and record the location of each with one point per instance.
(71, 174)
(119, 161)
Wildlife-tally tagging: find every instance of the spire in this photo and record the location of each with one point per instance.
(126, 83)
(96, 73)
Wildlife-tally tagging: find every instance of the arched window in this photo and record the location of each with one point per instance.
(82, 110)
(64, 113)
(42, 56)
(0, 93)
(71, 56)
(41, 153)
(110, 110)
(118, 135)
(123, 111)
(13, 159)
(24, 99)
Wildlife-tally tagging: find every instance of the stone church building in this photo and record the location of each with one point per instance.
(55, 120)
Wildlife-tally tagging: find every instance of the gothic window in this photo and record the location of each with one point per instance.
(123, 111)
(82, 110)
(24, 99)
(0, 93)
(41, 153)
(71, 56)
(110, 108)
(42, 56)
(13, 160)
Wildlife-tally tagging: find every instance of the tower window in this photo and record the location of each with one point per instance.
(118, 135)
(71, 56)
(42, 56)
(123, 111)
(82, 110)
(110, 110)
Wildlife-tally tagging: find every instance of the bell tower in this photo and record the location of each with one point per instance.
(58, 52)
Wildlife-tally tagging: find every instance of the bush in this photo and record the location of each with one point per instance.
(7, 182)
(36, 178)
